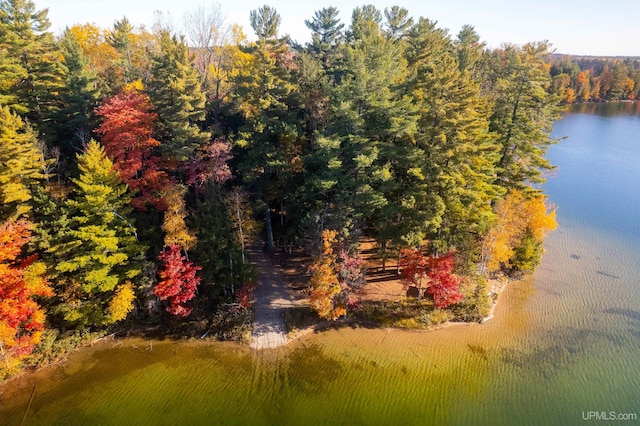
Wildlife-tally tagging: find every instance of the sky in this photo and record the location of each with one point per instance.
(580, 27)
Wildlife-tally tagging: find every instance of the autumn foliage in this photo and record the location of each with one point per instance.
(443, 285)
(351, 271)
(386, 129)
(178, 280)
(127, 135)
(21, 279)
(324, 281)
(122, 302)
(516, 239)
(244, 296)
(434, 273)
(20, 164)
(334, 279)
(174, 225)
(414, 266)
(209, 164)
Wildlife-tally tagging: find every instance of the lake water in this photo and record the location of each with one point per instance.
(562, 344)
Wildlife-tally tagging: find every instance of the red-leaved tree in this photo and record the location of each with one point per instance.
(178, 280)
(351, 271)
(244, 296)
(127, 136)
(436, 273)
(21, 319)
(209, 164)
(444, 284)
(414, 266)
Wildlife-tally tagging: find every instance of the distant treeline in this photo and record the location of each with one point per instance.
(595, 79)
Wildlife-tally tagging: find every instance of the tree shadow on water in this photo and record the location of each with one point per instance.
(628, 313)
(310, 370)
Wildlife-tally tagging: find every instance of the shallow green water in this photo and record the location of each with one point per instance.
(560, 345)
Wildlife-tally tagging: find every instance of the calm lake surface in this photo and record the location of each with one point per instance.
(560, 345)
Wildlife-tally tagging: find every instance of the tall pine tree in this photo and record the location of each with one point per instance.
(34, 81)
(523, 112)
(453, 133)
(99, 252)
(175, 92)
(21, 164)
(265, 97)
(75, 119)
(372, 118)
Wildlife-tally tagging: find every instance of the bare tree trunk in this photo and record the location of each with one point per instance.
(240, 230)
(268, 226)
(384, 256)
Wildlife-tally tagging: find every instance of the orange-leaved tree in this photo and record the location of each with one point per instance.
(21, 279)
(324, 281)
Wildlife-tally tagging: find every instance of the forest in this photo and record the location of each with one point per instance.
(594, 79)
(139, 165)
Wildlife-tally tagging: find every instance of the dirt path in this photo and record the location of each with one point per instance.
(271, 299)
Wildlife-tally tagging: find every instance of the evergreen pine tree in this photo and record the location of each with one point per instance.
(21, 165)
(453, 131)
(99, 251)
(79, 96)
(373, 117)
(120, 38)
(266, 99)
(174, 89)
(34, 78)
(523, 112)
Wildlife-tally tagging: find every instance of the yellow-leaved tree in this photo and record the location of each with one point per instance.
(324, 280)
(122, 303)
(99, 252)
(21, 164)
(515, 241)
(174, 226)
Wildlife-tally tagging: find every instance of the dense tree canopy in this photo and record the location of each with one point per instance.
(384, 127)
(21, 281)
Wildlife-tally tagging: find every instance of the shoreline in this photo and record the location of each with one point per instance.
(495, 287)
(495, 291)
